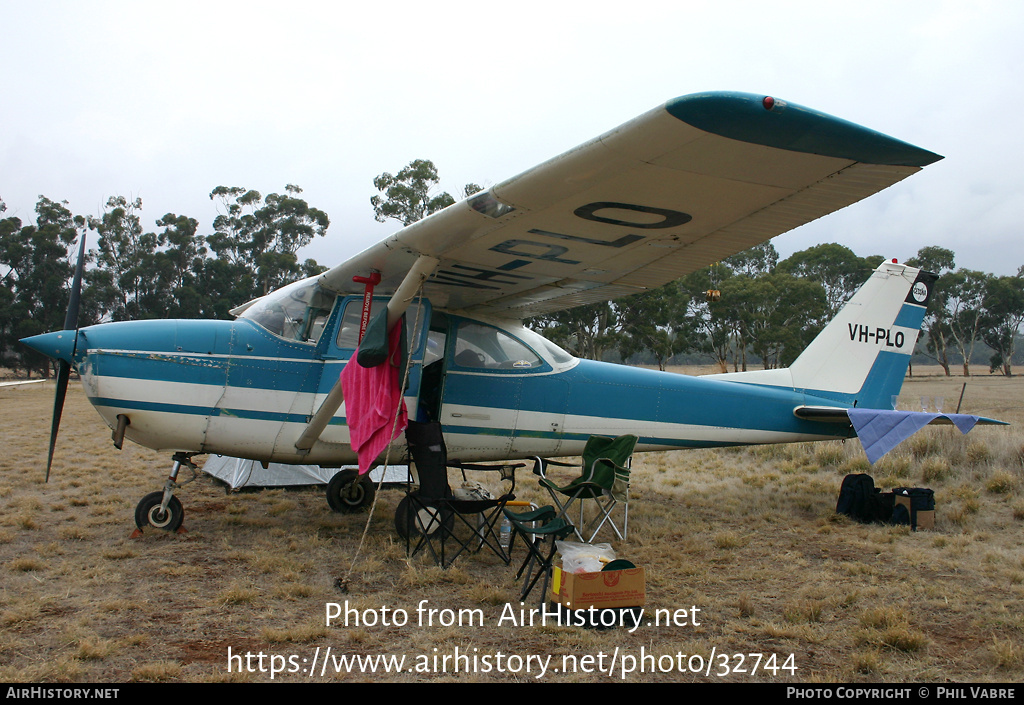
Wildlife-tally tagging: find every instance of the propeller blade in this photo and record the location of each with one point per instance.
(63, 375)
(63, 366)
(75, 298)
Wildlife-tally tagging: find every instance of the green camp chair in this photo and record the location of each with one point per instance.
(535, 527)
(604, 481)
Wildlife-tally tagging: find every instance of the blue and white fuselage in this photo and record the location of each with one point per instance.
(500, 391)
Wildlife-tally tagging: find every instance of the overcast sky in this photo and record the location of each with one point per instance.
(166, 101)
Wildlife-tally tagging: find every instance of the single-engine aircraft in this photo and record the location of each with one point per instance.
(678, 188)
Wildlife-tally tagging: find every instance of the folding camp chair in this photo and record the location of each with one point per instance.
(436, 519)
(604, 480)
(536, 526)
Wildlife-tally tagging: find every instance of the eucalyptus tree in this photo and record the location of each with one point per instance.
(835, 267)
(127, 256)
(587, 331)
(785, 314)
(179, 264)
(965, 299)
(709, 313)
(935, 328)
(755, 261)
(723, 303)
(258, 238)
(410, 195)
(656, 322)
(1002, 318)
(35, 269)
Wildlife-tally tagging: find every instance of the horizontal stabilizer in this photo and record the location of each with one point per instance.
(832, 414)
(881, 430)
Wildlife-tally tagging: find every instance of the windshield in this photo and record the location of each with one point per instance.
(298, 311)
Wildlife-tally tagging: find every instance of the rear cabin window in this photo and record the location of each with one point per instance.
(484, 347)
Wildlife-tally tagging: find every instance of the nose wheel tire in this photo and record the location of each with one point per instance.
(149, 514)
(348, 492)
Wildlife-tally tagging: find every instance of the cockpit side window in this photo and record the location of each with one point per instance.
(348, 331)
(484, 347)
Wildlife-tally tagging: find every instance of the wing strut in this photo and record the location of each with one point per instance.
(400, 301)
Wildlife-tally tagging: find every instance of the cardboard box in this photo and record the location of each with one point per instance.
(924, 518)
(606, 589)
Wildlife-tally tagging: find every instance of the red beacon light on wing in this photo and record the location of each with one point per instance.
(771, 104)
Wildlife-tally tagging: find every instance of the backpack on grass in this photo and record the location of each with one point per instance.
(860, 500)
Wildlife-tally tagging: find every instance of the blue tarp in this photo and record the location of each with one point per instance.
(880, 430)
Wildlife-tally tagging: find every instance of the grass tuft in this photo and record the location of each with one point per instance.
(1001, 482)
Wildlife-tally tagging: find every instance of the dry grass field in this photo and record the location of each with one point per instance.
(749, 537)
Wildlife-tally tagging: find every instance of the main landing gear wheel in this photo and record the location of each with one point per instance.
(348, 492)
(148, 513)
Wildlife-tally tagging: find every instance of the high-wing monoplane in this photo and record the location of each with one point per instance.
(689, 183)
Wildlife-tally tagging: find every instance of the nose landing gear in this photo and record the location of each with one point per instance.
(162, 510)
(151, 512)
(349, 492)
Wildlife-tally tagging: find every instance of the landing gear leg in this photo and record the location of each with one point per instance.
(162, 510)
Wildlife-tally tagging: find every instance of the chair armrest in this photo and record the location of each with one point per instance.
(540, 465)
(611, 462)
(477, 466)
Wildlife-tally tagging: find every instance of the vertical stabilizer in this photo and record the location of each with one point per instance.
(861, 356)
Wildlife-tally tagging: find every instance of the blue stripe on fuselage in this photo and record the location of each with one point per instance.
(193, 410)
(606, 390)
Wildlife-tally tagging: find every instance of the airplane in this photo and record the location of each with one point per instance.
(697, 179)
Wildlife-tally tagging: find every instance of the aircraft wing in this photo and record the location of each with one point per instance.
(693, 181)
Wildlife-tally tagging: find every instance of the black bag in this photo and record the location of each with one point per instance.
(375, 346)
(922, 499)
(860, 500)
(886, 503)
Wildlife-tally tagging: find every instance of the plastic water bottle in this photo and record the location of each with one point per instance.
(505, 533)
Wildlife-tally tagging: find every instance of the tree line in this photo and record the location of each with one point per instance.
(750, 309)
(133, 273)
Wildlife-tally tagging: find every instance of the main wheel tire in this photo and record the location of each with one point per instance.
(149, 514)
(348, 492)
(413, 515)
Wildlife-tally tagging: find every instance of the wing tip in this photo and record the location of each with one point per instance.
(768, 121)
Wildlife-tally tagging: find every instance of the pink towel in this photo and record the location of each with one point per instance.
(373, 397)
